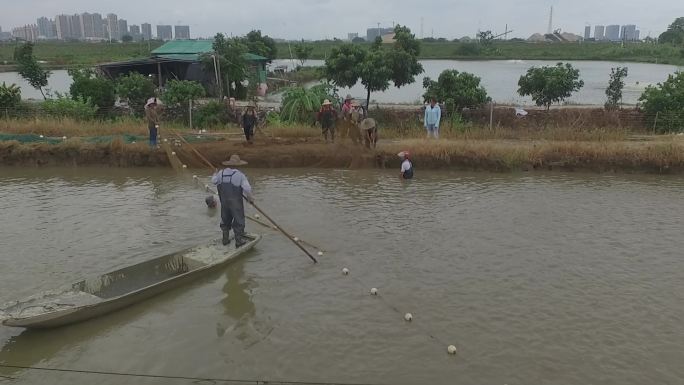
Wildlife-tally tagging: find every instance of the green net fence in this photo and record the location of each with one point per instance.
(34, 138)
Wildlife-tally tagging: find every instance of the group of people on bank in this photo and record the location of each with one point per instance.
(352, 120)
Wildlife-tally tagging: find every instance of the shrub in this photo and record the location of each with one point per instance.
(212, 114)
(299, 104)
(66, 107)
(548, 85)
(667, 101)
(10, 95)
(182, 91)
(88, 85)
(135, 89)
(456, 90)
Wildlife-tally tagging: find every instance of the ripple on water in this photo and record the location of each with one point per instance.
(535, 278)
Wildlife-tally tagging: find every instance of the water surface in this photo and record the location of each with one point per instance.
(537, 279)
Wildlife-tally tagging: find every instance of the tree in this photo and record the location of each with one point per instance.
(231, 62)
(358, 40)
(375, 73)
(303, 52)
(615, 86)
(342, 67)
(667, 100)
(87, 85)
(486, 38)
(181, 92)
(377, 66)
(29, 69)
(10, 95)
(135, 89)
(548, 85)
(674, 33)
(456, 90)
(126, 38)
(260, 45)
(403, 57)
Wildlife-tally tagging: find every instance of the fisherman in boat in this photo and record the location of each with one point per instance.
(406, 165)
(232, 187)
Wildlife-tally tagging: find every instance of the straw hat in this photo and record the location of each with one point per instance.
(355, 104)
(349, 97)
(326, 102)
(234, 161)
(404, 154)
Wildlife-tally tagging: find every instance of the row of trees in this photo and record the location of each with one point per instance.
(674, 33)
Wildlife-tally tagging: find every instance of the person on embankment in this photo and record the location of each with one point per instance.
(406, 165)
(233, 187)
(152, 117)
(327, 116)
(433, 115)
(249, 121)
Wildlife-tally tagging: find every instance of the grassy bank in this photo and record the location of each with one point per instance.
(62, 54)
(632, 52)
(663, 156)
(464, 146)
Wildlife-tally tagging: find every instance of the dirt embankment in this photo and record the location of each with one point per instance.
(664, 155)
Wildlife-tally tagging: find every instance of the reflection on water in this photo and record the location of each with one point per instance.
(536, 278)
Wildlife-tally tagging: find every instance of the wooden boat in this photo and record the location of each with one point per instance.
(106, 293)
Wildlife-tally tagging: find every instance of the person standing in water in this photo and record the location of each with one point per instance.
(233, 187)
(406, 165)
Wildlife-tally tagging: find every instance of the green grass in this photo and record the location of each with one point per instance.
(62, 54)
(77, 53)
(632, 52)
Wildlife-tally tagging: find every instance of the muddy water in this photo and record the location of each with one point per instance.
(544, 279)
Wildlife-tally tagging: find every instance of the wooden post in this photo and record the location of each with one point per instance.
(190, 112)
(655, 122)
(491, 115)
(159, 74)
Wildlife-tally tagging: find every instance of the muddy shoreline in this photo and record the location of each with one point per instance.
(662, 157)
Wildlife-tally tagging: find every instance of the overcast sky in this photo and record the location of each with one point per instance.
(315, 19)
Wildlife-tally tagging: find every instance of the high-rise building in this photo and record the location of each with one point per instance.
(134, 29)
(63, 27)
(182, 32)
(123, 28)
(45, 30)
(98, 26)
(113, 27)
(627, 32)
(637, 35)
(164, 32)
(599, 32)
(613, 32)
(146, 31)
(87, 25)
(27, 32)
(76, 31)
(587, 32)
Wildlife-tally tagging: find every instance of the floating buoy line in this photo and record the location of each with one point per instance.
(408, 317)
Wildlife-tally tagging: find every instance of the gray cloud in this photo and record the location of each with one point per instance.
(313, 19)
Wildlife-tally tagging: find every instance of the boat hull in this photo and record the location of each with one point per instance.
(107, 305)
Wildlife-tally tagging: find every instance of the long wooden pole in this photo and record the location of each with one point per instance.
(283, 231)
(250, 202)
